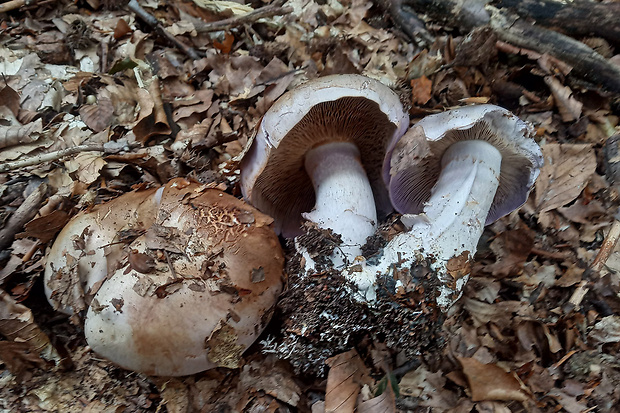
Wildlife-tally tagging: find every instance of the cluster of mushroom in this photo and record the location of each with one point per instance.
(182, 278)
(337, 152)
(172, 280)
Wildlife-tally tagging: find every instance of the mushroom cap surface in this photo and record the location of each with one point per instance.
(191, 293)
(336, 108)
(88, 247)
(413, 162)
(202, 307)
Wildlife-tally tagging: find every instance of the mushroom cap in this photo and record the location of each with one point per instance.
(336, 108)
(413, 162)
(192, 292)
(89, 246)
(214, 278)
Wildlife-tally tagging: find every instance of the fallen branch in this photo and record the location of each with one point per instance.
(54, 156)
(251, 17)
(155, 24)
(11, 5)
(22, 215)
(575, 18)
(510, 28)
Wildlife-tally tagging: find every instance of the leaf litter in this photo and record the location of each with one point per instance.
(92, 73)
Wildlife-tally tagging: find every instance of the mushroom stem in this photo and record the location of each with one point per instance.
(344, 198)
(451, 224)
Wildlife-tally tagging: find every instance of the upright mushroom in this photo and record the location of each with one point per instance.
(451, 174)
(318, 155)
(191, 292)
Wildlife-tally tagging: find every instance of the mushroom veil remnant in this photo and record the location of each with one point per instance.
(187, 280)
(450, 175)
(318, 155)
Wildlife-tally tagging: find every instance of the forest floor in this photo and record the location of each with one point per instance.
(538, 326)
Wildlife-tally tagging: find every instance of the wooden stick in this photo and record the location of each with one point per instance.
(11, 5)
(251, 17)
(155, 24)
(53, 156)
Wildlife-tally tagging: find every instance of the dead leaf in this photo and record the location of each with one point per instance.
(19, 134)
(87, 166)
(46, 227)
(29, 344)
(347, 374)
(98, 116)
(491, 382)
(10, 99)
(384, 403)
(421, 90)
(607, 330)
(569, 107)
(226, 45)
(566, 172)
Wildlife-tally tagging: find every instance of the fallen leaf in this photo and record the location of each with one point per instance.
(490, 382)
(384, 403)
(569, 107)
(27, 344)
(421, 90)
(347, 374)
(566, 172)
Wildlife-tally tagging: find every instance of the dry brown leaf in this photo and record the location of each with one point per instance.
(384, 403)
(569, 107)
(46, 227)
(347, 374)
(566, 172)
(18, 134)
(86, 166)
(511, 249)
(10, 99)
(491, 382)
(421, 90)
(28, 343)
(98, 116)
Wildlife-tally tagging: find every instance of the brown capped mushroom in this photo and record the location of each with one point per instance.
(191, 293)
(318, 156)
(451, 174)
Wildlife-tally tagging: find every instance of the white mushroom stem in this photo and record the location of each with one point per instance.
(452, 221)
(344, 198)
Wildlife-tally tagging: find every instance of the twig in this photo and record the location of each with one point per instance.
(609, 243)
(11, 5)
(267, 11)
(154, 23)
(22, 215)
(53, 156)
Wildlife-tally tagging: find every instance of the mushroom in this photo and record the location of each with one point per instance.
(318, 155)
(189, 294)
(450, 175)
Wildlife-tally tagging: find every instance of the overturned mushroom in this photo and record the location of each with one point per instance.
(191, 293)
(452, 174)
(318, 155)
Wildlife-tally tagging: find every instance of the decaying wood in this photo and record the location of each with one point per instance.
(511, 28)
(580, 18)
